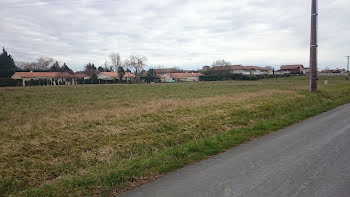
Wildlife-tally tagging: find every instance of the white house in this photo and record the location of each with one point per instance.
(180, 77)
(244, 70)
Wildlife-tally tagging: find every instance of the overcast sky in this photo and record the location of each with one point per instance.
(183, 33)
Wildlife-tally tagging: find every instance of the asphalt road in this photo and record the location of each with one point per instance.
(311, 158)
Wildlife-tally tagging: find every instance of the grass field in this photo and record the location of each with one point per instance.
(104, 139)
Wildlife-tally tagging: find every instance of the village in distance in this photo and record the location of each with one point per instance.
(47, 71)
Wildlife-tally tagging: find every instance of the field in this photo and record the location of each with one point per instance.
(104, 139)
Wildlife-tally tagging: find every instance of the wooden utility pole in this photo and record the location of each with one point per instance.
(347, 71)
(313, 47)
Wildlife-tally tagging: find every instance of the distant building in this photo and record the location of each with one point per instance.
(44, 78)
(110, 77)
(333, 71)
(293, 69)
(244, 70)
(180, 77)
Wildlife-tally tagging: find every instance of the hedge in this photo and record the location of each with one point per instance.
(4, 82)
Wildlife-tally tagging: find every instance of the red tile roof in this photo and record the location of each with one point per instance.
(292, 67)
(116, 74)
(111, 74)
(129, 75)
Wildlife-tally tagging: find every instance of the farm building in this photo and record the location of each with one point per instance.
(44, 78)
(110, 77)
(293, 69)
(180, 77)
(244, 70)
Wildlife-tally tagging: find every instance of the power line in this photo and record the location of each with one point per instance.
(56, 4)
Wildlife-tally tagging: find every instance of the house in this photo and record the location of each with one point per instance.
(239, 69)
(44, 78)
(293, 69)
(180, 77)
(111, 77)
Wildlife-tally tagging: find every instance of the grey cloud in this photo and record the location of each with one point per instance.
(187, 33)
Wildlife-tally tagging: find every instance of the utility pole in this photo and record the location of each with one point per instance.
(347, 71)
(313, 47)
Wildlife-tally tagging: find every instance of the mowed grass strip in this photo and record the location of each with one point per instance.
(95, 140)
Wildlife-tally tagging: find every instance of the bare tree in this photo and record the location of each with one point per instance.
(136, 64)
(115, 60)
(23, 65)
(43, 63)
(221, 63)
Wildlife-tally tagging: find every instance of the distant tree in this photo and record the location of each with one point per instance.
(106, 67)
(94, 77)
(100, 69)
(136, 63)
(90, 69)
(43, 63)
(221, 63)
(27, 66)
(151, 72)
(7, 65)
(151, 75)
(55, 67)
(115, 60)
(121, 73)
(65, 68)
(21, 65)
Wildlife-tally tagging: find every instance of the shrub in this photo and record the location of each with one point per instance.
(4, 82)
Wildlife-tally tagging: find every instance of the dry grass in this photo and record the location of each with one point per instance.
(53, 134)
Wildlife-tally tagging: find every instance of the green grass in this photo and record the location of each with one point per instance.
(97, 139)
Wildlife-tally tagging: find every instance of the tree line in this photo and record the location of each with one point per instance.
(7, 65)
(134, 64)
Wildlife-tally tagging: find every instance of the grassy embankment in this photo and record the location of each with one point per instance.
(101, 139)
